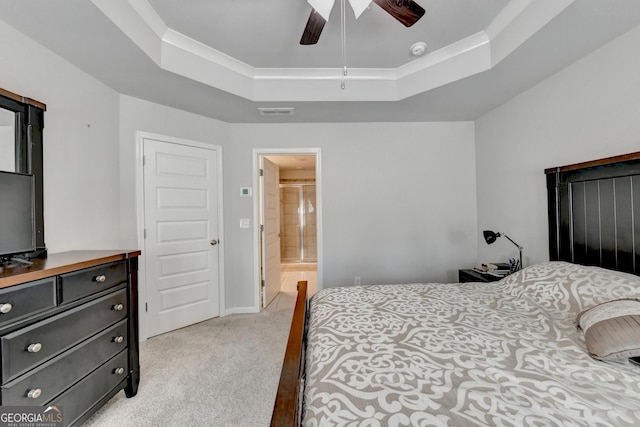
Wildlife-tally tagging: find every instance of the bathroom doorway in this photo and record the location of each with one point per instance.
(299, 222)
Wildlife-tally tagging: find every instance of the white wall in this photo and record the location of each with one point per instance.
(399, 200)
(587, 111)
(7, 140)
(81, 172)
(7, 146)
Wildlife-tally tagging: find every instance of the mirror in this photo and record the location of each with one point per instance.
(21, 151)
(7, 140)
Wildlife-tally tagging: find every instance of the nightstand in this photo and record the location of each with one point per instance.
(469, 275)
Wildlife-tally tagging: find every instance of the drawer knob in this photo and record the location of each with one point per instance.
(100, 279)
(118, 371)
(34, 348)
(34, 393)
(5, 308)
(118, 307)
(118, 339)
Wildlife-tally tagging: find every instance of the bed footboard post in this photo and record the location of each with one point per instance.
(286, 410)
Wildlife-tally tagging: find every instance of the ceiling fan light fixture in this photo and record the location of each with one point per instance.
(418, 48)
(407, 12)
(323, 7)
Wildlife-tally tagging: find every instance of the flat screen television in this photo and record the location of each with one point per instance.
(17, 214)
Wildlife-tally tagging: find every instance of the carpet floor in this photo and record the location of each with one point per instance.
(221, 372)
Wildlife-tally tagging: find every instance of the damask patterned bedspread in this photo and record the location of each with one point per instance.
(506, 353)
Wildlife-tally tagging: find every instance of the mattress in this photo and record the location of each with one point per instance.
(506, 353)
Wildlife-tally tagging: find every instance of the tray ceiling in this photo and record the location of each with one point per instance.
(225, 59)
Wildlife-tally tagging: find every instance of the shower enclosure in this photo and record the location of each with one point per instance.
(298, 223)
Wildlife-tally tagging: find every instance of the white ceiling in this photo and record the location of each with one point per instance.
(296, 162)
(251, 57)
(375, 40)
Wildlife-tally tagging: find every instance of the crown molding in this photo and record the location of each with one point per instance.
(177, 53)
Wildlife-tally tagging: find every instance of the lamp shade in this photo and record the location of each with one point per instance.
(490, 236)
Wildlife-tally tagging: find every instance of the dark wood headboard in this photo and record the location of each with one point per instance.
(594, 213)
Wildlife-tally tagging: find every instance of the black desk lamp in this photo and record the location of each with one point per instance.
(491, 236)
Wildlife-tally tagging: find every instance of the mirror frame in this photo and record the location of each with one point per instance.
(29, 127)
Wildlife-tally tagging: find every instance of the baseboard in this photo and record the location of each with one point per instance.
(242, 310)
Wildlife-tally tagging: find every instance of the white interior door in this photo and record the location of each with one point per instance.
(271, 233)
(181, 225)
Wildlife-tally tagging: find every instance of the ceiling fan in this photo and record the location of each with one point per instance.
(407, 12)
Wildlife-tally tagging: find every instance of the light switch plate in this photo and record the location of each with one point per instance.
(244, 222)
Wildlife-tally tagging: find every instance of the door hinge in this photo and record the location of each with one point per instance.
(263, 283)
(261, 172)
(144, 233)
(144, 160)
(261, 227)
(146, 306)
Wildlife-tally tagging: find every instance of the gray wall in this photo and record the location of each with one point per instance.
(398, 200)
(138, 115)
(587, 111)
(402, 201)
(81, 158)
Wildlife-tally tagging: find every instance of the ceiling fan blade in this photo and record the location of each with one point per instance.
(314, 27)
(406, 11)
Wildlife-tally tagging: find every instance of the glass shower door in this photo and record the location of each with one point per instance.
(298, 223)
(309, 245)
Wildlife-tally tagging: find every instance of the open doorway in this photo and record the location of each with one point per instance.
(289, 218)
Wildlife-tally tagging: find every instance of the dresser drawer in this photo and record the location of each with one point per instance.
(84, 394)
(32, 345)
(20, 301)
(51, 378)
(82, 283)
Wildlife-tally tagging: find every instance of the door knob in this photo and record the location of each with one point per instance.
(214, 242)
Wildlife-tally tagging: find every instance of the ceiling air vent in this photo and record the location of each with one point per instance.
(277, 111)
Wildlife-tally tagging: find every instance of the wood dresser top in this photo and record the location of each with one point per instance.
(60, 263)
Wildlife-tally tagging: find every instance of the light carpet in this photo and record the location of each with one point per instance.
(222, 372)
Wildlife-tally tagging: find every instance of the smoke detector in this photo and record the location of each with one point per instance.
(418, 48)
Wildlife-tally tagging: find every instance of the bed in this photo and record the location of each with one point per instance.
(548, 345)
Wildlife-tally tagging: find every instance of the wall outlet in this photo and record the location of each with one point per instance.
(357, 281)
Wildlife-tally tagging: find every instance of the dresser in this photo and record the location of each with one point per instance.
(69, 331)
